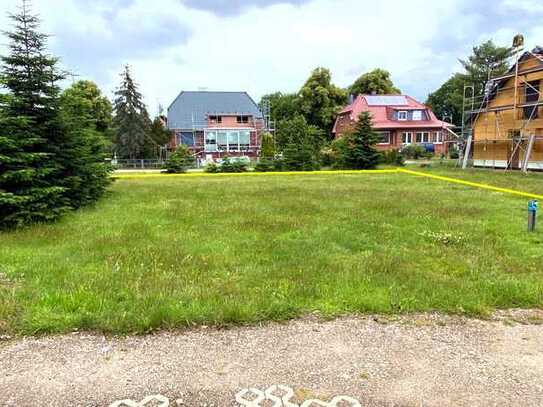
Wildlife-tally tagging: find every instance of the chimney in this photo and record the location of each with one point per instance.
(373, 92)
(351, 99)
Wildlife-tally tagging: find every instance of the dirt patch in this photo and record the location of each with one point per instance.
(424, 359)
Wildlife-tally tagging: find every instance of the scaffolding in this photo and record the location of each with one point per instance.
(520, 108)
(265, 108)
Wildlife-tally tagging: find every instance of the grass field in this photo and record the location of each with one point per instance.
(165, 252)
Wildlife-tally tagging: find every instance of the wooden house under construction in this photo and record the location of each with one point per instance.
(506, 123)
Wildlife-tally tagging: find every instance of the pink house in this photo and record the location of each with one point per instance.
(215, 124)
(399, 119)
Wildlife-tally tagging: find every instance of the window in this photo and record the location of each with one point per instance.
(211, 141)
(232, 137)
(228, 141)
(407, 138)
(402, 115)
(384, 137)
(186, 138)
(423, 137)
(244, 140)
(222, 141)
(532, 96)
(242, 119)
(438, 137)
(417, 115)
(215, 119)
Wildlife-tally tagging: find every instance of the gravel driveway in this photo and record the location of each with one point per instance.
(417, 360)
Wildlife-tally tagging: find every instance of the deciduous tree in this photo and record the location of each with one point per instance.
(283, 106)
(299, 143)
(377, 81)
(86, 117)
(320, 100)
(446, 102)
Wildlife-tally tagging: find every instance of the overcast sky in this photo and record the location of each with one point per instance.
(264, 46)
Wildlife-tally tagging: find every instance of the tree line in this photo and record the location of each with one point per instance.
(304, 119)
(55, 144)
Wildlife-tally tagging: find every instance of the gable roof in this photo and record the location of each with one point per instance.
(190, 109)
(382, 107)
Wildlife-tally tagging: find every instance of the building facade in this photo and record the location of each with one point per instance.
(400, 120)
(507, 122)
(215, 124)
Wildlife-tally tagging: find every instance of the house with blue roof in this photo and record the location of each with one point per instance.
(215, 124)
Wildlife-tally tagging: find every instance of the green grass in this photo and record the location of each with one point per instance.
(171, 252)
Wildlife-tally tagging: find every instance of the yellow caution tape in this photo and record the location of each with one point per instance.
(472, 184)
(254, 173)
(334, 172)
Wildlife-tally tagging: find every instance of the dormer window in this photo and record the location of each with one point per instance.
(215, 119)
(402, 115)
(242, 119)
(417, 114)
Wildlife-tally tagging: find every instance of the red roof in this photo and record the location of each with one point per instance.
(382, 109)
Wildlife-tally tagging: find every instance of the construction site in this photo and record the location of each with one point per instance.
(503, 127)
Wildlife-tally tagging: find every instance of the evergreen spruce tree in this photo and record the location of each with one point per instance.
(358, 152)
(180, 161)
(132, 120)
(298, 156)
(31, 134)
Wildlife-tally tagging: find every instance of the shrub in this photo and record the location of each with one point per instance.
(228, 165)
(180, 161)
(265, 165)
(237, 165)
(328, 156)
(279, 164)
(454, 154)
(393, 157)
(414, 152)
(212, 168)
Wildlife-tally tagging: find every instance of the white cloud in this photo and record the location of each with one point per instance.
(263, 49)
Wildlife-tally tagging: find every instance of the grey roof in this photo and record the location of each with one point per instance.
(189, 109)
(386, 100)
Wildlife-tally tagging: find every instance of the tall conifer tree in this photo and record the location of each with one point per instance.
(30, 175)
(357, 149)
(132, 120)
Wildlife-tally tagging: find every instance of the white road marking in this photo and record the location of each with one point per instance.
(280, 395)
